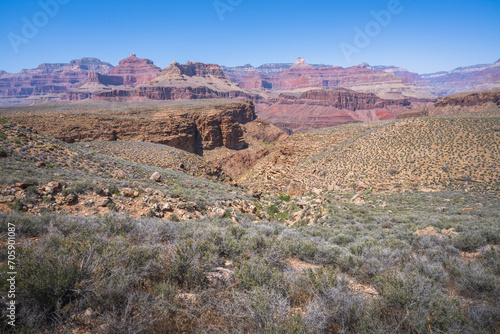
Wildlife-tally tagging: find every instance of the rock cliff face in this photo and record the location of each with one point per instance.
(47, 81)
(182, 82)
(486, 101)
(466, 79)
(388, 82)
(325, 108)
(135, 71)
(302, 75)
(254, 80)
(193, 127)
(470, 99)
(131, 71)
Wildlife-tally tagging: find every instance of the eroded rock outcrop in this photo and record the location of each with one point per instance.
(47, 81)
(487, 101)
(193, 128)
(182, 82)
(324, 108)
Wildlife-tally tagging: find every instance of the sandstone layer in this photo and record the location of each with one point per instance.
(182, 82)
(193, 127)
(476, 102)
(47, 81)
(324, 108)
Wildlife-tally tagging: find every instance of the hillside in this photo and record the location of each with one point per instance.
(105, 245)
(392, 156)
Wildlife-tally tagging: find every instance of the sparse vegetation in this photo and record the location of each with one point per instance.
(333, 260)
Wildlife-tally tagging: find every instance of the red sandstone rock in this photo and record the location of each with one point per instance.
(135, 71)
(182, 82)
(324, 108)
(47, 81)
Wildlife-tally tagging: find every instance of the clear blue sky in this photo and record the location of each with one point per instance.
(426, 36)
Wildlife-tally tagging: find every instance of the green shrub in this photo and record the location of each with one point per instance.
(259, 273)
(273, 210)
(285, 198)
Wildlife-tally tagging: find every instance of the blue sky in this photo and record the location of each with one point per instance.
(423, 36)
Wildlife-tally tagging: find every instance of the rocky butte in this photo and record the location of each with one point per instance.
(130, 72)
(182, 82)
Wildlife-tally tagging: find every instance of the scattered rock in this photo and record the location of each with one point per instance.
(296, 189)
(167, 207)
(127, 192)
(429, 231)
(468, 209)
(188, 298)
(52, 187)
(358, 200)
(219, 278)
(7, 199)
(156, 177)
(24, 185)
(102, 201)
(317, 191)
(360, 185)
(71, 199)
(450, 233)
(118, 174)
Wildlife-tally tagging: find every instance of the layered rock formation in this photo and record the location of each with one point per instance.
(324, 108)
(193, 127)
(476, 102)
(255, 80)
(130, 72)
(48, 81)
(466, 79)
(361, 78)
(182, 82)
(135, 71)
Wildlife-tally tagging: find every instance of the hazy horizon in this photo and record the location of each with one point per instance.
(421, 36)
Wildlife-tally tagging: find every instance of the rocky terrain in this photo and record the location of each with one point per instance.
(381, 227)
(325, 108)
(48, 81)
(424, 154)
(191, 126)
(476, 102)
(41, 174)
(466, 79)
(182, 82)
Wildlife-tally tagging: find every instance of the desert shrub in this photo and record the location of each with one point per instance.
(415, 303)
(469, 241)
(336, 310)
(491, 259)
(26, 226)
(82, 187)
(273, 210)
(285, 198)
(474, 279)
(257, 272)
(261, 310)
(342, 239)
(192, 258)
(50, 274)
